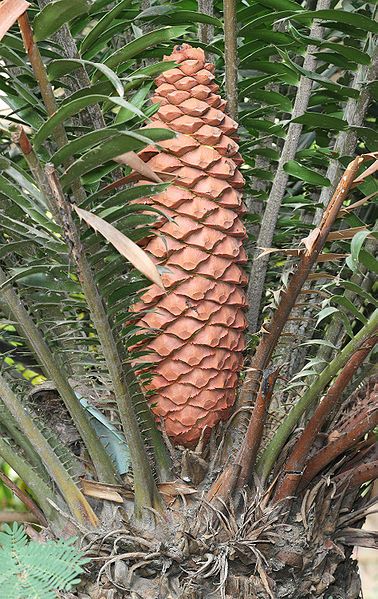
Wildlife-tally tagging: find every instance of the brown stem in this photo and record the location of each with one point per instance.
(362, 474)
(298, 457)
(40, 74)
(338, 447)
(12, 516)
(26, 500)
(314, 245)
(47, 92)
(20, 138)
(365, 451)
(289, 297)
(224, 485)
(251, 445)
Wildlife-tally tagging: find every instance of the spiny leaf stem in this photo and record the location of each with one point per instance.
(77, 503)
(313, 394)
(146, 492)
(13, 304)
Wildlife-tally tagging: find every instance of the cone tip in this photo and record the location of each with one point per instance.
(186, 52)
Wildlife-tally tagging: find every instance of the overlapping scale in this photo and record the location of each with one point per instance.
(200, 322)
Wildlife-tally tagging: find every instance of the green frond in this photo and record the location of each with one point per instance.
(32, 570)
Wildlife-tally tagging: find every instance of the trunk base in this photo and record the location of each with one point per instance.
(287, 567)
(344, 583)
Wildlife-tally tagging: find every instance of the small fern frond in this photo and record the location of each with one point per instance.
(31, 570)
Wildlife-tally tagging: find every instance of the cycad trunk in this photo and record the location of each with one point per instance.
(262, 554)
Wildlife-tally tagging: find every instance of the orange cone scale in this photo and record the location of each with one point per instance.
(200, 322)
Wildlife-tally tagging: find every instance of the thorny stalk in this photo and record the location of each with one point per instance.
(10, 425)
(74, 498)
(163, 462)
(248, 452)
(365, 422)
(312, 395)
(40, 74)
(46, 89)
(272, 332)
(299, 454)
(24, 322)
(24, 497)
(41, 491)
(20, 138)
(146, 492)
(116, 364)
(361, 474)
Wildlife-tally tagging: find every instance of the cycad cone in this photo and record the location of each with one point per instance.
(200, 319)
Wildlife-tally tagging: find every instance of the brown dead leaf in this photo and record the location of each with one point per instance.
(345, 211)
(267, 251)
(132, 160)
(265, 579)
(360, 538)
(172, 491)
(331, 256)
(344, 233)
(127, 248)
(92, 488)
(333, 436)
(117, 493)
(369, 171)
(175, 488)
(319, 275)
(10, 11)
(312, 292)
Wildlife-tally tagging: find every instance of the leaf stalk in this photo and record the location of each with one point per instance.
(312, 394)
(25, 324)
(78, 505)
(298, 456)
(146, 492)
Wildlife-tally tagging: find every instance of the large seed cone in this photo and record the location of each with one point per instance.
(200, 319)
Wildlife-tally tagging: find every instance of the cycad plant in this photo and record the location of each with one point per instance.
(187, 380)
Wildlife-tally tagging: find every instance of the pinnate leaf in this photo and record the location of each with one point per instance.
(56, 14)
(305, 174)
